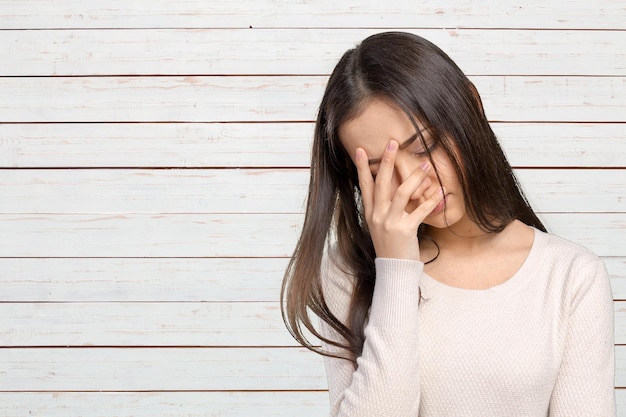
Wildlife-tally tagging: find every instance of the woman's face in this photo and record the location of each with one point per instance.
(381, 122)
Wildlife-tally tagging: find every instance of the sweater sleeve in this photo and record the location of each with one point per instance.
(386, 379)
(585, 382)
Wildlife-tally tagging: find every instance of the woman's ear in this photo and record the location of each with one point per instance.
(476, 96)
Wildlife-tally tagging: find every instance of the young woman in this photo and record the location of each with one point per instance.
(438, 290)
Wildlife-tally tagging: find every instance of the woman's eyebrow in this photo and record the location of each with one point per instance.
(403, 145)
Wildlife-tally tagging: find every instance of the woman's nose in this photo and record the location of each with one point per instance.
(405, 166)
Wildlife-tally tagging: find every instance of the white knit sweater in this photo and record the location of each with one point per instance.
(540, 344)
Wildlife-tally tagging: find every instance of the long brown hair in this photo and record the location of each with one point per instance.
(426, 84)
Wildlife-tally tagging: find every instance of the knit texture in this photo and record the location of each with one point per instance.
(540, 344)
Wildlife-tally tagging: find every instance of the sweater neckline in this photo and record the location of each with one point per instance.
(430, 287)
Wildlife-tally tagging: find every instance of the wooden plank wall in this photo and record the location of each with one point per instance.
(153, 168)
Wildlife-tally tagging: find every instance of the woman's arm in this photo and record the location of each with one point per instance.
(386, 380)
(585, 383)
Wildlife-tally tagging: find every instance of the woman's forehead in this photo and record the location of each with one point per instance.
(376, 125)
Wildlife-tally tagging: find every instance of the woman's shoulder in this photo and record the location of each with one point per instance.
(336, 282)
(568, 261)
(559, 249)
(335, 275)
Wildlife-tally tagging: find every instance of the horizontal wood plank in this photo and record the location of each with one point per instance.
(181, 404)
(180, 235)
(144, 279)
(166, 279)
(224, 235)
(620, 323)
(563, 145)
(143, 324)
(297, 51)
(590, 191)
(189, 262)
(289, 98)
(23, 14)
(602, 233)
(183, 145)
(256, 190)
(165, 369)
(616, 266)
(165, 404)
(161, 324)
(154, 191)
(157, 145)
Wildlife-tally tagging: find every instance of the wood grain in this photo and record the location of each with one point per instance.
(223, 235)
(240, 145)
(144, 279)
(153, 165)
(247, 14)
(257, 190)
(143, 324)
(166, 279)
(167, 404)
(146, 324)
(167, 369)
(297, 51)
(289, 98)
(163, 369)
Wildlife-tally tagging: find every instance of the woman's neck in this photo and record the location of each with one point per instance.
(462, 237)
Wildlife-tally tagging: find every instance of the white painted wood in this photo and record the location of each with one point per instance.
(224, 235)
(563, 145)
(620, 399)
(576, 14)
(161, 324)
(157, 145)
(166, 404)
(163, 369)
(620, 366)
(602, 233)
(581, 99)
(620, 322)
(166, 279)
(617, 268)
(271, 144)
(290, 98)
(297, 51)
(144, 279)
(154, 191)
(135, 235)
(162, 99)
(143, 324)
(570, 190)
(158, 261)
(181, 404)
(256, 191)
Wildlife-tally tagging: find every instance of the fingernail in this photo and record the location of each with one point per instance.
(424, 165)
(359, 154)
(391, 146)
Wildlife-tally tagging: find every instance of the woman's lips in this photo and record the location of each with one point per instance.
(439, 207)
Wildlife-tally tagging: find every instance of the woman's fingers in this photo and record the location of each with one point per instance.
(366, 180)
(432, 200)
(412, 188)
(385, 172)
(392, 228)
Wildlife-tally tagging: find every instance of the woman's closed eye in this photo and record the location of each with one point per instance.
(417, 148)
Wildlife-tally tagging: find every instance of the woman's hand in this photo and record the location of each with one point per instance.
(392, 228)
